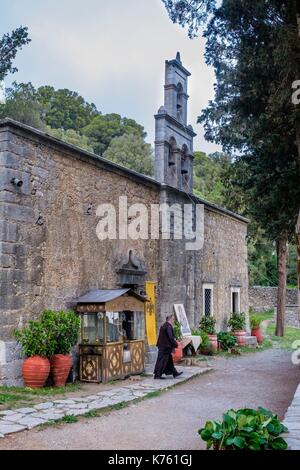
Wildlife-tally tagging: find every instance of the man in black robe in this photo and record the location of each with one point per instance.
(166, 343)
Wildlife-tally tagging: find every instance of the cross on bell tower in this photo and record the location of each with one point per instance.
(173, 137)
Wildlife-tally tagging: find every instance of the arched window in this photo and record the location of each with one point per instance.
(179, 104)
(184, 162)
(172, 149)
(184, 167)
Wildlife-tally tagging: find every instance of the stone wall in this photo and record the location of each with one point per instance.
(291, 316)
(50, 253)
(222, 261)
(265, 298)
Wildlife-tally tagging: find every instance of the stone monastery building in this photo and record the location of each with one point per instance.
(50, 253)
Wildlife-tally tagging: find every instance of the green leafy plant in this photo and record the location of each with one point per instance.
(255, 321)
(246, 429)
(177, 330)
(226, 340)
(204, 338)
(208, 324)
(237, 321)
(62, 327)
(35, 340)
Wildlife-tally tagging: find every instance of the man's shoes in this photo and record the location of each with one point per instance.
(177, 374)
(159, 377)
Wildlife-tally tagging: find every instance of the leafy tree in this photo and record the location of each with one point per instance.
(254, 47)
(21, 104)
(104, 128)
(72, 137)
(9, 46)
(132, 151)
(208, 176)
(65, 109)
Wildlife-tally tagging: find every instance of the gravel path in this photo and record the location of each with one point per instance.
(171, 420)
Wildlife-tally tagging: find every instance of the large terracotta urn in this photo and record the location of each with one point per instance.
(240, 337)
(178, 353)
(257, 332)
(35, 371)
(213, 342)
(60, 368)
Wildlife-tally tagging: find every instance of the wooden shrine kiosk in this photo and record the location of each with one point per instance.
(112, 343)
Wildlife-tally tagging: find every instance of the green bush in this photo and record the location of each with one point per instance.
(177, 330)
(35, 340)
(226, 340)
(204, 338)
(62, 327)
(245, 429)
(255, 321)
(208, 324)
(237, 321)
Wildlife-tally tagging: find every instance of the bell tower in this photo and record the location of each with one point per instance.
(173, 137)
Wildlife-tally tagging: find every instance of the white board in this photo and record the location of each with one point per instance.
(182, 319)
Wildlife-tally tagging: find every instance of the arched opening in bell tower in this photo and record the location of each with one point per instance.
(172, 164)
(179, 102)
(184, 168)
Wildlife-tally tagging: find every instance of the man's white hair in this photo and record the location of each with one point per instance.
(169, 316)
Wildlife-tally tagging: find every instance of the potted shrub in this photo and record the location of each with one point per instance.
(255, 322)
(245, 429)
(205, 344)
(226, 340)
(208, 325)
(36, 346)
(63, 328)
(178, 353)
(237, 325)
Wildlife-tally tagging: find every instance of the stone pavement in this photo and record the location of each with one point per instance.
(12, 421)
(292, 422)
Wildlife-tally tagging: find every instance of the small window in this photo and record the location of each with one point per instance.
(207, 299)
(235, 300)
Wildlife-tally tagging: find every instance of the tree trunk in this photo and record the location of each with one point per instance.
(281, 292)
(298, 145)
(298, 261)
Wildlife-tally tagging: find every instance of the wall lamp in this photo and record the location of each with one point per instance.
(16, 182)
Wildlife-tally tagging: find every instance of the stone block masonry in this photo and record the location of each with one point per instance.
(265, 298)
(50, 253)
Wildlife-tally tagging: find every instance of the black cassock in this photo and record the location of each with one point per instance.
(166, 343)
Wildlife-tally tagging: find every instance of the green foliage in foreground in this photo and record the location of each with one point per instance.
(245, 429)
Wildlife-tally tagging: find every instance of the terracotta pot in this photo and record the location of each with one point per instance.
(177, 355)
(240, 337)
(257, 332)
(35, 371)
(213, 342)
(60, 368)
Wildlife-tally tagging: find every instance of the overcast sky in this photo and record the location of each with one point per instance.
(111, 52)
